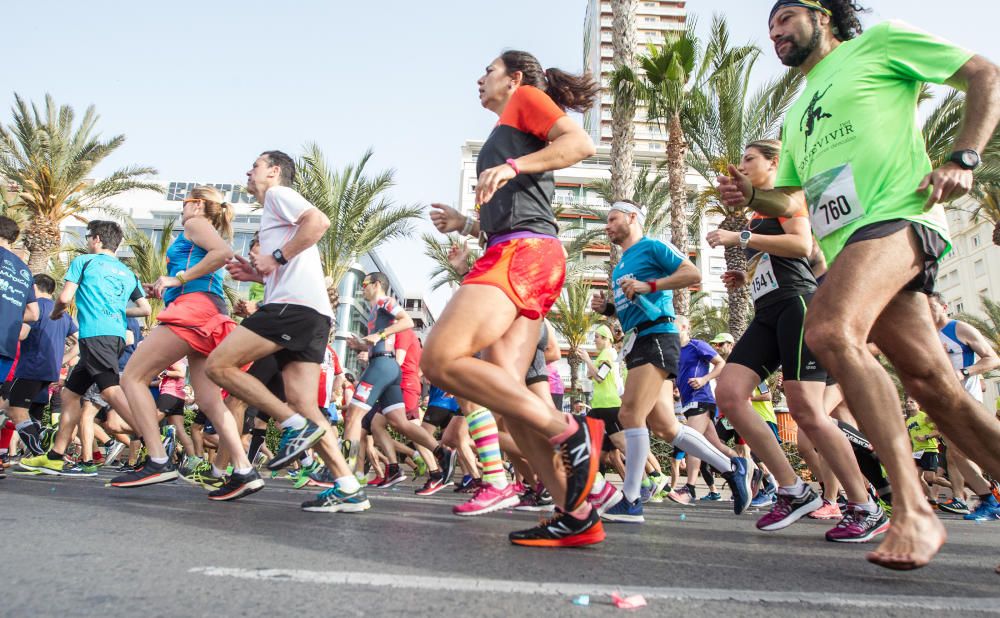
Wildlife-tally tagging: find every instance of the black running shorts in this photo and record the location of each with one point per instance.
(380, 384)
(98, 364)
(610, 418)
(269, 373)
(302, 332)
(931, 245)
(438, 416)
(929, 462)
(776, 338)
(21, 393)
(662, 350)
(170, 405)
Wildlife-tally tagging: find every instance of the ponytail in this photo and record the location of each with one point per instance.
(217, 209)
(568, 91)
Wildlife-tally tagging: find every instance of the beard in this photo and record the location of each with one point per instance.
(796, 53)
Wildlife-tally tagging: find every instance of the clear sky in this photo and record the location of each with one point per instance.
(199, 88)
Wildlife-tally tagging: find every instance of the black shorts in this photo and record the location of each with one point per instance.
(37, 410)
(557, 401)
(931, 245)
(698, 408)
(4, 389)
(170, 405)
(366, 420)
(724, 431)
(438, 416)
(610, 418)
(380, 384)
(98, 364)
(302, 332)
(20, 393)
(929, 462)
(200, 419)
(269, 373)
(662, 350)
(776, 338)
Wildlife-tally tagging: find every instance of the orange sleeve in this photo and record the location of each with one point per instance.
(532, 111)
(801, 213)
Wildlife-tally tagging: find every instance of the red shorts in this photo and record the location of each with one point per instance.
(196, 319)
(411, 399)
(530, 271)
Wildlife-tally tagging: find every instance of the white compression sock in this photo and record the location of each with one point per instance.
(296, 421)
(690, 441)
(636, 453)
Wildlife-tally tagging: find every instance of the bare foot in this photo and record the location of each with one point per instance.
(911, 542)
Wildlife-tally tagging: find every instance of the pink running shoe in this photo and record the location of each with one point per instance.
(681, 496)
(829, 510)
(606, 498)
(858, 525)
(486, 500)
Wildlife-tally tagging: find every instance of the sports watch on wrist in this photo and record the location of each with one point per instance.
(965, 372)
(745, 236)
(279, 257)
(965, 159)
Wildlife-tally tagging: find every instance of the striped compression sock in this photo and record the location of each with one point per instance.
(483, 428)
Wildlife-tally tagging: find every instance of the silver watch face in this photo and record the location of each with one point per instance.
(969, 158)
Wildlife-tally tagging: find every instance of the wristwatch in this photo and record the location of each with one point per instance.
(965, 372)
(279, 257)
(745, 238)
(965, 159)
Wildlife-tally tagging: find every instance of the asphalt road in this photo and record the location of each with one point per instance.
(76, 548)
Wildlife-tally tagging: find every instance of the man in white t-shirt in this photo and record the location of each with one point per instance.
(292, 324)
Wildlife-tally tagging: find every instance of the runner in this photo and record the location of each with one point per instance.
(193, 323)
(43, 352)
(924, 438)
(852, 141)
(293, 323)
(17, 304)
(103, 287)
(782, 285)
(514, 284)
(643, 283)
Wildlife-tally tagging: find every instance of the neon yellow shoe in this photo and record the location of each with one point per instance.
(40, 464)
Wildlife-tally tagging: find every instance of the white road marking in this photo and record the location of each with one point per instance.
(460, 584)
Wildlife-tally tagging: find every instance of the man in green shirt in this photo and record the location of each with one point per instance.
(853, 153)
(926, 451)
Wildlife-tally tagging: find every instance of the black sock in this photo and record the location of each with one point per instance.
(257, 437)
(55, 456)
(393, 469)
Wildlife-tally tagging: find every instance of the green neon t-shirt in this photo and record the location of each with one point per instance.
(606, 391)
(851, 140)
(920, 425)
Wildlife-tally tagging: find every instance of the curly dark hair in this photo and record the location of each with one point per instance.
(845, 22)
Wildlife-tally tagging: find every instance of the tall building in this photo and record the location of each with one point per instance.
(653, 19)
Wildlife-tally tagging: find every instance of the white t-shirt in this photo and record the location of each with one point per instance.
(301, 280)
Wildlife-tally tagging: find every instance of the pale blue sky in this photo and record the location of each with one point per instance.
(199, 88)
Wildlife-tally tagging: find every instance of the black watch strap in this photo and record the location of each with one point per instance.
(279, 257)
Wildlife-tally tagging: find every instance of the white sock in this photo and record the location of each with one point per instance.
(690, 441)
(246, 470)
(599, 483)
(636, 453)
(295, 421)
(158, 460)
(216, 471)
(348, 484)
(307, 460)
(797, 490)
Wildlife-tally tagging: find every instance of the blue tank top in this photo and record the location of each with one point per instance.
(960, 354)
(184, 255)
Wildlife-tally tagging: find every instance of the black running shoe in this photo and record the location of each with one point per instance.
(237, 486)
(563, 530)
(467, 485)
(31, 437)
(149, 474)
(447, 459)
(581, 455)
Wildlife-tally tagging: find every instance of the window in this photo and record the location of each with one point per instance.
(717, 266)
(958, 306)
(980, 268)
(975, 240)
(655, 146)
(649, 19)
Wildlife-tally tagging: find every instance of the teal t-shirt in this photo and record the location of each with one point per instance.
(645, 260)
(851, 140)
(105, 288)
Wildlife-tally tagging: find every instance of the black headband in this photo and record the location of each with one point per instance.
(806, 4)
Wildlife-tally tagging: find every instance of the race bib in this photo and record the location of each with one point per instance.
(833, 200)
(726, 423)
(762, 279)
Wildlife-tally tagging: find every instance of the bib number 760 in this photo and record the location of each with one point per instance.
(833, 200)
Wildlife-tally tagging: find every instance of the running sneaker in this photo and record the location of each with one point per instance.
(488, 498)
(581, 458)
(955, 506)
(90, 467)
(756, 480)
(302, 478)
(660, 481)
(189, 464)
(421, 466)
(534, 499)
(660, 497)
(77, 469)
(563, 530)
(712, 496)
(828, 511)
(203, 477)
(606, 498)
(467, 485)
(859, 525)
(431, 487)
(739, 479)
(625, 512)
(322, 478)
(333, 500)
(149, 474)
(393, 476)
(681, 496)
(763, 498)
(237, 486)
(788, 509)
(988, 510)
(40, 464)
(169, 434)
(293, 443)
(376, 482)
(447, 459)
(646, 492)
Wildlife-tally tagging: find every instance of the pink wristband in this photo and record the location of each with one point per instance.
(513, 165)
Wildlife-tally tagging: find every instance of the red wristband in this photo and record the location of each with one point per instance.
(513, 165)
(652, 284)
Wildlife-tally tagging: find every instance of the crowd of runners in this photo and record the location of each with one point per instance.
(843, 244)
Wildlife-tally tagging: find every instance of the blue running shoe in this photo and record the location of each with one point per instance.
(334, 500)
(713, 496)
(293, 443)
(646, 492)
(626, 512)
(988, 510)
(739, 479)
(763, 498)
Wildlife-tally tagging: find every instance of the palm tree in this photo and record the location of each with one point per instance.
(651, 190)
(49, 160)
(148, 259)
(573, 319)
(444, 273)
(361, 216)
(706, 320)
(988, 207)
(721, 119)
(623, 43)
